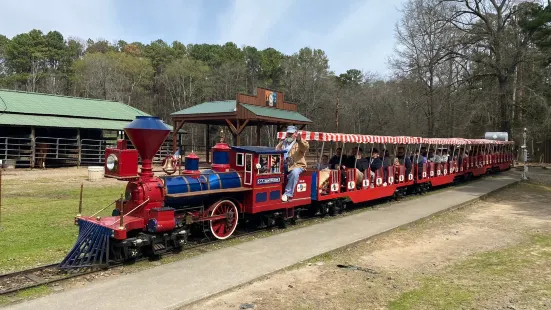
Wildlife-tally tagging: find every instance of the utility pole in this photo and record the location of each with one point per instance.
(525, 156)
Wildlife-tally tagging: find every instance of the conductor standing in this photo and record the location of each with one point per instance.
(294, 158)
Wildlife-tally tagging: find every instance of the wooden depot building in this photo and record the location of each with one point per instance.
(267, 107)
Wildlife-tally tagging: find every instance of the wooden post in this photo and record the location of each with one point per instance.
(33, 147)
(174, 133)
(99, 152)
(207, 139)
(121, 214)
(79, 146)
(176, 129)
(80, 200)
(258, 127)
(0, 197)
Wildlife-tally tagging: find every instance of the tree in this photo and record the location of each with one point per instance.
(271, 67)
(352, 77)
(252, 62)
(306, 80)
(425, 40)
(492, 40)
(186, 81)
(3, 68)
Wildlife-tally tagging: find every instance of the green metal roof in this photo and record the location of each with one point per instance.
(275, 113)
(225, 106)
(44, 104)
(43, 110)
(228, 106)
(60, 121)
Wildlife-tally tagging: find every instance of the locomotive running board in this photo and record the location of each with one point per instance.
(91, 248)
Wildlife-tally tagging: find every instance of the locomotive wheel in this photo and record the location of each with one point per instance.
(224, 228)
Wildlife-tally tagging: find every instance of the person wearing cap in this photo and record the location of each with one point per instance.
(294, 158)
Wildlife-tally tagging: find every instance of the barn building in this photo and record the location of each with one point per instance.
(42, 130)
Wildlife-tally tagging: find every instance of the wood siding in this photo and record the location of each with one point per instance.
(260, 100)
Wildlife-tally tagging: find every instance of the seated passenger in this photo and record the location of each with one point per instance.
(430, 156)
(294, 158)
(438, 157)
(387, 161)
(375, 164)
(263, 165)
(361, 163)
(336, 159)
(445, 156)
(324, 164)
(349, 160)
(275, 164)
(403, 160)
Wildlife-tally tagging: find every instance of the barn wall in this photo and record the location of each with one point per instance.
(60, 147)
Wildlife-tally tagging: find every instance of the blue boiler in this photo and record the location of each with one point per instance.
(207, 180)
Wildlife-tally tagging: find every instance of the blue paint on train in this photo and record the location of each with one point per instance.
(207, 180)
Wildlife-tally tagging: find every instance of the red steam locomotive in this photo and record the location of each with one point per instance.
(159, 213)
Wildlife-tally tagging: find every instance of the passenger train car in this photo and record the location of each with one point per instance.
(245, 183)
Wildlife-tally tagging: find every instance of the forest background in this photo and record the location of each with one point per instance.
(460, 68)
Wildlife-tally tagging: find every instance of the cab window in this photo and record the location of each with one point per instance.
(269, 164)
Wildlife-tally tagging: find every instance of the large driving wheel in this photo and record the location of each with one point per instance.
(224, 228)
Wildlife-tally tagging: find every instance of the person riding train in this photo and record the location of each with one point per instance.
(294, 159)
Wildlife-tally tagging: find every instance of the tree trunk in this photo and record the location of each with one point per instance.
(503, 106)
(337, 108)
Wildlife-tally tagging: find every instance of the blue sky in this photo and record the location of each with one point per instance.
(354, 33)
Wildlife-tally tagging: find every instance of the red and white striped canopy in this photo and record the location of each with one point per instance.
(353, 138)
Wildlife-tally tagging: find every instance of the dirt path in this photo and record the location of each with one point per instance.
(495, 254)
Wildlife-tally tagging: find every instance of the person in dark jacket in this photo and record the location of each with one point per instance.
(358, 161)
(349, 160)
(336, 159)
(403, 160)
(376, 162)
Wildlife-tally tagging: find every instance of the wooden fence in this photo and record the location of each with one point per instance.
(50, 152)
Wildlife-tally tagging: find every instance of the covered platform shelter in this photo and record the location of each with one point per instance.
(267, 107)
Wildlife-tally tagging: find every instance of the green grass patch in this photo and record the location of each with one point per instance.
(25, 294)
(433, 294)
(477, 278)
(38, 223)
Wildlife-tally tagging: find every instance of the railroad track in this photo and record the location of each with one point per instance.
(48, 274)
(28, 278)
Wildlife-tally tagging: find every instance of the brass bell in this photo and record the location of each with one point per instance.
(168, 166)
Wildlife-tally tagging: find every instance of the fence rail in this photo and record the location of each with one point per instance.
(65, 152)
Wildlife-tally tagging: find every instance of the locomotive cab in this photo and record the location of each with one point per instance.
(263, 172)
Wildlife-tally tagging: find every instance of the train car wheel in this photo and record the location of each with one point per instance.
(223, 228)
(280, 222)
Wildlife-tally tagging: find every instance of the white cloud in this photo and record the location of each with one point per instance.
(362, 39)
(83, 19)
(365, 38)
(249, 21)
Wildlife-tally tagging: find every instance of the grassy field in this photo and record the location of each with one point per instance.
(37, 225)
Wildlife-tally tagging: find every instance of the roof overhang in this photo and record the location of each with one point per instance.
(50, 121)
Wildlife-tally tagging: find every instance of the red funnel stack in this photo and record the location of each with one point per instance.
(147, 133)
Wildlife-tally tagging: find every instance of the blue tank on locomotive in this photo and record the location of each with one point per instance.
(206, 180)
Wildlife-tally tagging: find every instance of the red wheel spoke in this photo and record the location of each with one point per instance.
(224, 228)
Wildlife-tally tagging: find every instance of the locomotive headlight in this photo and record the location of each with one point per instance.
(112, 162)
